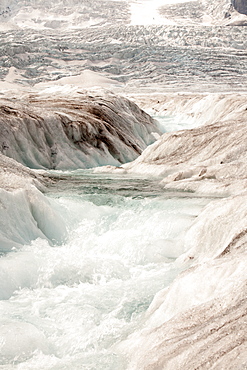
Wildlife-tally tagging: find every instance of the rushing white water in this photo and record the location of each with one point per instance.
(73, 302)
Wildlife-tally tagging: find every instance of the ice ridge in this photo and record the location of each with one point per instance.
(86, 131)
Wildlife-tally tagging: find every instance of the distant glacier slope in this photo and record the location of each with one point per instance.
(171, 58)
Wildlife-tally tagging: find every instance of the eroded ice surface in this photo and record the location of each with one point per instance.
(87, 129)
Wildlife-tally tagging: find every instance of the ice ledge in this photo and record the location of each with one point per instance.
(84, 130)
(200, 320)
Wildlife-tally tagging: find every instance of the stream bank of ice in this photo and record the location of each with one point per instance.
(79, 313)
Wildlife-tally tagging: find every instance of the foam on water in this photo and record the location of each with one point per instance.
(67, 306)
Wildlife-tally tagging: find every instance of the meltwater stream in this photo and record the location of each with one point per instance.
(124, 235)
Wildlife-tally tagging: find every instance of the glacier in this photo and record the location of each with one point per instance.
(92, 128)
(123, 184)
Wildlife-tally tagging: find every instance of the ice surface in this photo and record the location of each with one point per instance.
(210, 158)
(199, 320)
(13, 175)
(209, 328)
(92, 128)
(155, 57)
(140, 277)
(199, 310)
(33, 215)
(107, 294)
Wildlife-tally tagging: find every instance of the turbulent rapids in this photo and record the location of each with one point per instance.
(82, 297)
(123, 236)
(123, 162)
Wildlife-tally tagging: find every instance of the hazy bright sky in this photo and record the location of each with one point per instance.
(146, 11)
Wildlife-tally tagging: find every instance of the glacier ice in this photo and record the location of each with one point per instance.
(205, 307)
(192, 311)
(33, 217)
(91, 129)
(67, 300)
(214, 152)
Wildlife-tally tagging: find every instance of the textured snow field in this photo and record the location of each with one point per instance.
(180, 56)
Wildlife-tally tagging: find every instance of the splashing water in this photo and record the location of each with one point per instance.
(79, 299)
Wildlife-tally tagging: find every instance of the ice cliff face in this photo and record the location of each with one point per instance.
(85, 131)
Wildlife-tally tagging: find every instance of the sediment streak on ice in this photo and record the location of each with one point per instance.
(210, 158)
(200, 320)
(87, 130)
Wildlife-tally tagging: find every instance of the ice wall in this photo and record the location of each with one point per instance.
(210, 158)
(200, 320)
(25, 213)
(86, 130)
